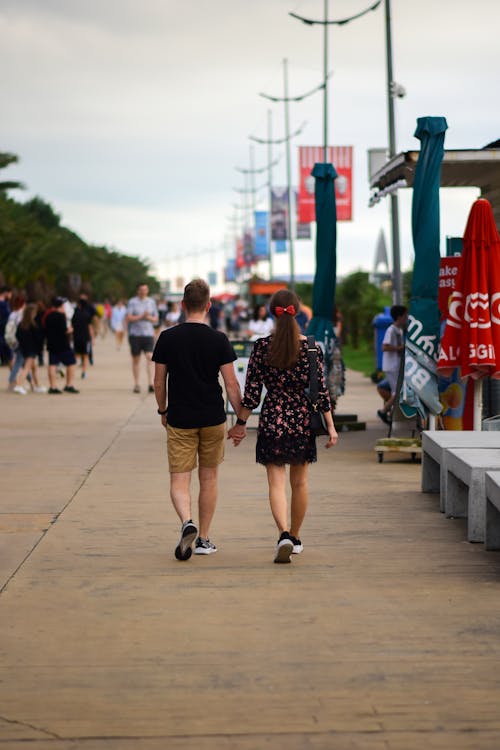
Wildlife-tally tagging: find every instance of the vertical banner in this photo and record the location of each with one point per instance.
(302, 231)
(240, 258)
(341, 158)
(230, 271)
(261, 248)
(212, 278)
(248, 245)
(280, 247)
(279, 213)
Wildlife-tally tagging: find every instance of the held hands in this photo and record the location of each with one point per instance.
(236, 434)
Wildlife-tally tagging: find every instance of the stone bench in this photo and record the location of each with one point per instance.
(465, 486)
(492, 526)
(435, 445)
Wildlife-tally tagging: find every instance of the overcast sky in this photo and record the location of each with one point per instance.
(129, 116)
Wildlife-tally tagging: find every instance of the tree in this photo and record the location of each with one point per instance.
(5, 160)
(359, 301)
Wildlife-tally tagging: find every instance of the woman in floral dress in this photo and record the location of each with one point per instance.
(280, 363)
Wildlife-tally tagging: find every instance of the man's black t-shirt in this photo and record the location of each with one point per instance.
(193, 354)
(56, 329)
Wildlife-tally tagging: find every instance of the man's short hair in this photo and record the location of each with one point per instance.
(196, 295)
(397, 311)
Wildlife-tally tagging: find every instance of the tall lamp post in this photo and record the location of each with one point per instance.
(286, 100)
(397, 284)
(393, 90)
(269, 142)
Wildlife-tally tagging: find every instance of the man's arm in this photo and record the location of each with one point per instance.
(232, 386)
(160, 385)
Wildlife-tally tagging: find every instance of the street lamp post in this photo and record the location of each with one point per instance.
(286, 99)
(289, 175)
(397, 286)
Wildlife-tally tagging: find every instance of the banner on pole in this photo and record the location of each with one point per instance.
(280, 247)
(341, 157)
(279, 213)
(261, 248)
(240, 258)
(230, 271)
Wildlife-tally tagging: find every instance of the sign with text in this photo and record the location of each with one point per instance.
(341, 157)
(448, 274)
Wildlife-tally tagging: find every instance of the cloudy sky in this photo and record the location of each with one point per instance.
(130, 116)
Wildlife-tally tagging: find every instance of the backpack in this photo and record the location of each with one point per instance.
(10, 333)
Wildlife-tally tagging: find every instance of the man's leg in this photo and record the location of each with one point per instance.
(181, 499)
(136, 361)
(52, 376)
(208, 497)
(180, 494)
(150, 366)
(70, 375)
(298, 482)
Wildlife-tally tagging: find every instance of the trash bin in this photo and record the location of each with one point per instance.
(381, 323)
(491, 424)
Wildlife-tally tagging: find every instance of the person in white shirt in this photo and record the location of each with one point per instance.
(118, 315)
(392, 350)
(142, 316)
(261, 325)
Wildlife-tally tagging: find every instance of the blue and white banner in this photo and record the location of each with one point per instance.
(261, 248)
(280, 246)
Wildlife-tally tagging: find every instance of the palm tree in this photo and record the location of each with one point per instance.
(5, 160)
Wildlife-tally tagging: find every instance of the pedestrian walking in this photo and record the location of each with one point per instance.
(261, 324)
(83, 333)
(59, 347)
(280, 362)
(118, 315)
(142, 316)
(28, 338)
(5, 310)
(188, 359)
(393, 347)
(18, 304)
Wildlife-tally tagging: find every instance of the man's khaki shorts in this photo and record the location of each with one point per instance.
(184, 447)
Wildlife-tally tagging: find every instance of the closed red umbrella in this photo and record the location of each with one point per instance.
(471, 338)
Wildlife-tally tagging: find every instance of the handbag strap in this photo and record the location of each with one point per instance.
(312, 354)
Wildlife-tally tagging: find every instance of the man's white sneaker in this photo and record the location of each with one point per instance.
(39, 389)
(20, 389)
(204, 547)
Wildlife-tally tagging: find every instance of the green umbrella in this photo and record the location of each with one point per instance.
(320, 325)
(419, 392)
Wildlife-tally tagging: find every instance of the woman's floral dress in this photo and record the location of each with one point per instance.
(284, 435)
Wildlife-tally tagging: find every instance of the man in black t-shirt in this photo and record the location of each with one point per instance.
(191, 355)
(59, 347)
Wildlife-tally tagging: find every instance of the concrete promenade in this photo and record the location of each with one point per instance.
(383, 635)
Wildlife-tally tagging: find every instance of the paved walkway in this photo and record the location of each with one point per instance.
(383, 634)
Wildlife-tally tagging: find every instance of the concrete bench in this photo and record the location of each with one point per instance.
(465, 486)
(492, 526)
(435, 445)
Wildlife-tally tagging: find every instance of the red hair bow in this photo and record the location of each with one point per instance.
(281, 310)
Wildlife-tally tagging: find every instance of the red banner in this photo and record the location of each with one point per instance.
(240, 254)
(341, 158)
(448, 274)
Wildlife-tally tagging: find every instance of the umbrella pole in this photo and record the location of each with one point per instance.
(478, 404)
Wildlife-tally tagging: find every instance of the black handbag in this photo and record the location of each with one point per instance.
(318, 421)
